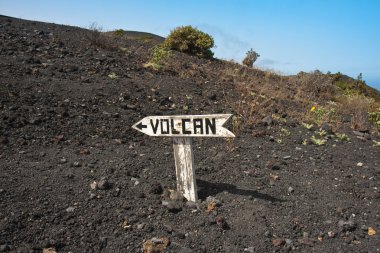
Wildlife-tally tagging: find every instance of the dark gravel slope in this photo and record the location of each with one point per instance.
(75, 177)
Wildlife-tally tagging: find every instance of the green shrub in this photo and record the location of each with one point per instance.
(119, 32)
(317, 141)
(113, 76)
(342, 137)
(190, 40)
(374, 118)
(157, 55)
(320, 114)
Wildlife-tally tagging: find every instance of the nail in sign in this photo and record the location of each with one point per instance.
(182, 128)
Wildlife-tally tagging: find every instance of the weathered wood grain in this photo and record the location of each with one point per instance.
(185, 170)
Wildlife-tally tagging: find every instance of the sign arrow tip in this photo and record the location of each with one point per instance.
(141, 126)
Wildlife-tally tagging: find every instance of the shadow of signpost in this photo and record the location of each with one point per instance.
(206, 189)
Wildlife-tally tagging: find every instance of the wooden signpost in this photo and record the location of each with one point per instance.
(182, 129)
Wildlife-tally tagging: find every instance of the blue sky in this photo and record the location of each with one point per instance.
(290, 35)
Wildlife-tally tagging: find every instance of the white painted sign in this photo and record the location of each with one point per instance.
(182, 128)
(185, 126)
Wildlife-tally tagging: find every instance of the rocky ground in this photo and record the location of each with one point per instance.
(75, 177)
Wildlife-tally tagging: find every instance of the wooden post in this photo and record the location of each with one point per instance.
(182, 128)
(185, 170)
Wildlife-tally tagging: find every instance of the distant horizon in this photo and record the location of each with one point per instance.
(290, 35)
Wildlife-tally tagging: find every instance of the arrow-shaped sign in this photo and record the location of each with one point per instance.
(185, 126)
(140, 126)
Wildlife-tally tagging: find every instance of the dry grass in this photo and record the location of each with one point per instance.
(356, 108)
(315, 86)
(97, 38)
(260, 93)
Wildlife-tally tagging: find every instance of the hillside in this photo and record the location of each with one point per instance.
(301, 175)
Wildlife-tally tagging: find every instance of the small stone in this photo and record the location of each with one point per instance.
(288, 241)
(119, 141)
(211, 199)
(359, 164)
(2, 190)
(345, 226)
(267, 121)
(63, 160)
(49, 250)
(268, 234)
(140, 226)
(290, 189)
(272, 165)
(278, 242)
(221, 222)
(156, 240)
(117, 191)
(156, 245)
(174, 206)
(192, 205)
(287, 157)
(93, 185)
(180, 235)
(84, 151)
(331, 234)
(70, 209)
(35, 121)
(104, 184)
(250, 250)
(364, 135)
(93, 162)
(130, 106)
(92, 196)
(371, 231)
(57, 139)
(211, 218)
(77, 164)
(340, 210)
(211, 207)
(168, 229)
(364, 228)
(126, 224)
